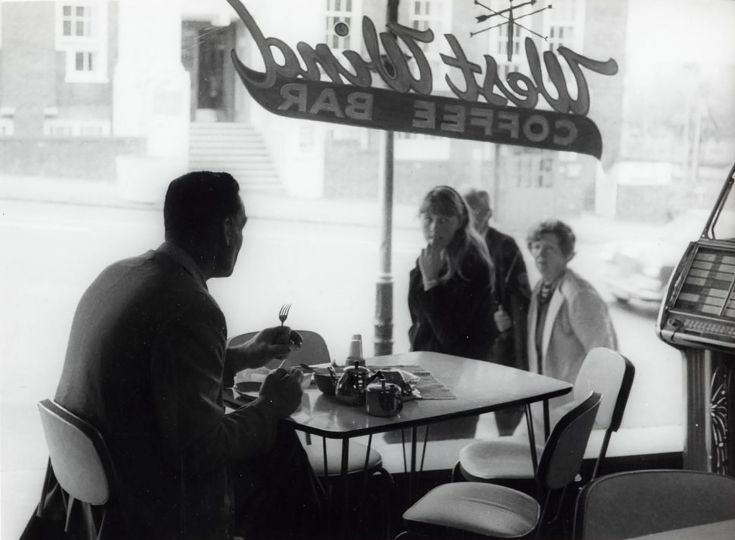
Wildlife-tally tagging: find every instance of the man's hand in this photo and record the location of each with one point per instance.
(282, 391)
(269, 343)
(502, 320)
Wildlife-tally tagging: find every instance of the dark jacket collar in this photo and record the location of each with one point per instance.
(184, 259)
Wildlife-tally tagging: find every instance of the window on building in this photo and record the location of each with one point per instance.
(498, 47)
(76, 128)
(564, 24)
(532, 169)
(82, 35)
(76, 21)
(342, 24)
(434, 15)
(6, 127)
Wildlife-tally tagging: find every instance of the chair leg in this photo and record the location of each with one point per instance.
(457, 473)
(388, 500)
(90, 525)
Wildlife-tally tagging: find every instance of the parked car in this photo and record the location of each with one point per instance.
(639, 270)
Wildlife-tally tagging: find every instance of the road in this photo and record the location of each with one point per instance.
(327, 271)
(51, 252)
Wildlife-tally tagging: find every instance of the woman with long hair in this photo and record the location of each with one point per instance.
(450, 292)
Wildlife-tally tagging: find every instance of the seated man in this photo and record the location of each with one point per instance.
(147, 363)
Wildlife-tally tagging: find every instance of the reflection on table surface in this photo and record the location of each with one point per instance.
(477, 386)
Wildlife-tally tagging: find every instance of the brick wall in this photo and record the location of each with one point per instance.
(34, 72)
(28, 63)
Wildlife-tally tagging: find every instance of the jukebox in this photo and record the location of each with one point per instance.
(697, 316)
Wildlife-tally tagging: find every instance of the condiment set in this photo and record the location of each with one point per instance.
(356, 387)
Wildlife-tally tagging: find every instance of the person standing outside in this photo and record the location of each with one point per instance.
(567, 317)
(450, 291)
(512, 297)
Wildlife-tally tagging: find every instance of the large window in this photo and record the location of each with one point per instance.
(82, 34)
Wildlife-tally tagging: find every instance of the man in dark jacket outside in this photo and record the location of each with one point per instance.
(147, 363)
(513, 295)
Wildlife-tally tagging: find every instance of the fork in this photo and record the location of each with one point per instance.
(283, 314)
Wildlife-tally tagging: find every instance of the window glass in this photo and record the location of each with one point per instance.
(103, 102)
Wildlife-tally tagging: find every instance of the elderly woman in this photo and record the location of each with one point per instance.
(567, 317)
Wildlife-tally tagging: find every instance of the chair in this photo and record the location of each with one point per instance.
(81, 463)
(484, 510)
(604, 371)
(637, 503)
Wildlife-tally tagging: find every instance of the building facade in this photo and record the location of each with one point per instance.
(130, 90)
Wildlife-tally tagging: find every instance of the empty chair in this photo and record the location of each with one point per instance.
(479, 509)
(82, 466)
(637, 503)
(604, 371)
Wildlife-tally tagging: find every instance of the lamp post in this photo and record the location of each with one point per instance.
(383, 343)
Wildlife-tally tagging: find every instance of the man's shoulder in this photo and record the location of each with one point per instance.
(500, 238)
(154, 279)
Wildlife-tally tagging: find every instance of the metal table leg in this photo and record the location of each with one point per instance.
(531, 437)
(344, 470)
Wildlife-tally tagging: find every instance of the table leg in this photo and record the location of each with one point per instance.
(345, 486)
(531, 437)
(423, 449)
(365, 472)
(412, 471)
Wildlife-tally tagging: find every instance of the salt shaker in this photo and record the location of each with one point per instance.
(355, 354)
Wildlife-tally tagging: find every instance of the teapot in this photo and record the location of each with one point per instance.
(383, 398)
(352, 384)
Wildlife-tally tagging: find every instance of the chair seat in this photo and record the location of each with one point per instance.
(478, 508)
(355, 461)
(497, 459)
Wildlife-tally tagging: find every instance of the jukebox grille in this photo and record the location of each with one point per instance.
(708, 287)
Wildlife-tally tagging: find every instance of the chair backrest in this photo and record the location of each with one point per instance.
(79, 456)
(611, 374)
(564, 450)
(313, 349)
(637, 503)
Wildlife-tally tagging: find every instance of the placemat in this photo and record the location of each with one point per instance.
(428, 386)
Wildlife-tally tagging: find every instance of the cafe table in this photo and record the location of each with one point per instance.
(477, 386)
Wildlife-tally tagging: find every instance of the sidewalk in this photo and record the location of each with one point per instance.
(259, 204)
(274, 205)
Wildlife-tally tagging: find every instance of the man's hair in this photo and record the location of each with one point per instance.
(476, 197)
(561, 230)
(196, 201)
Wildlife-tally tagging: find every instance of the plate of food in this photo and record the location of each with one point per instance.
(247, 388)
